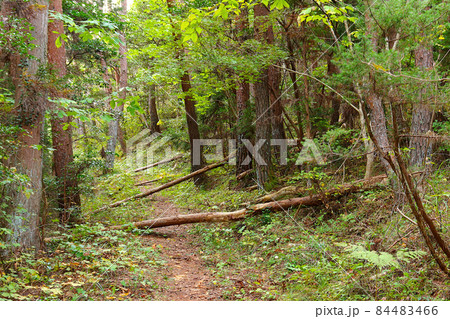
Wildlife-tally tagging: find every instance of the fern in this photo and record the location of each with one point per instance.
(407, 255)
(382, 259)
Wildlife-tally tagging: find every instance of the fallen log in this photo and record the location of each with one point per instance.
(148, 182)
(160, 188)
(243, 174)
(289, 190)
(158, 163)
(295, 190)
(215, 217)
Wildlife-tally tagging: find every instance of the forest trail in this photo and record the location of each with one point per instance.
(187, 276)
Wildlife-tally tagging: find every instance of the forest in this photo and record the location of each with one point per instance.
(211, 150)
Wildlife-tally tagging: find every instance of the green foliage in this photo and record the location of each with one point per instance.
(81, 265)
(382, 259)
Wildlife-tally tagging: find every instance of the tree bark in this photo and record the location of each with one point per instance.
(23, 208)
(422, 115)
(378, 126)
(114, 125)
(293, 75)
(313, 200)
(243, 122)
(152, 110)
(262, 105)
(375, 104)
(274, 78)
(242, 128)
(69, 201)
(197, 160)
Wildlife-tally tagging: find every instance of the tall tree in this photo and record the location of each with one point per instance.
(152, 110)
(422, 115)
(197, 160)
(274, 78)
(374, 100)
(114, 125)
(262, 103)
(30, 103)
(68, 195)
(242, 104)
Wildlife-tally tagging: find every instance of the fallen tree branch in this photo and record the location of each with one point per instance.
(148, 182)
(295, 190)
(158, 163)
(243, 174)
(160, 188)
(288, 190)
(214, 217)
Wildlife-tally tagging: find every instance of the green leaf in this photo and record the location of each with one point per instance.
(184, 25)
(58, 42)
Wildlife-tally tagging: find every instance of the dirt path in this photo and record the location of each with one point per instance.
(187, 276)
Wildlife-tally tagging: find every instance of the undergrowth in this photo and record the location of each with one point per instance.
(86, 263)
(362, 247)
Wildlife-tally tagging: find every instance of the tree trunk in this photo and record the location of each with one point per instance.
(375, 104)
(197, 160)
(274, 78)
(422, 115)
(243, 128)
(243, 123)
(262, 105)
(278, 131)
(68, 196)
(153, 112)
(313, 200)
(378, 125)
(335, 103)
(113, 125)
(23, 208)
(293, 76)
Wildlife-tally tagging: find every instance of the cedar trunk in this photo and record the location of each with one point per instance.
(243, 123)
(262, 105)
(152, 110)
(23, 208)
(114, 125)
(197, 160)
(68, 195)
(375, 104)
(422, 115)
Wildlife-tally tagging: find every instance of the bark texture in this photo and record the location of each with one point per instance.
(243, 122)
(23, 208)
(152, 110)
(114, 125)
(422, 115)
(313, 200)
(68, 196)
(197, 160)
(262, 105)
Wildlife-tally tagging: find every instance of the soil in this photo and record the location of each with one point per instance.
(187, 277)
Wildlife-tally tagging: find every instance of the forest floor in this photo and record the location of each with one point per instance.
(356, 248)
(186, 276)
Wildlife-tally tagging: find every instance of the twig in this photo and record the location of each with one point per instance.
(401, 213)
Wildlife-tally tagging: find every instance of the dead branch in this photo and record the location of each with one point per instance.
(158, 163)
(160, 188)
(148, 182)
